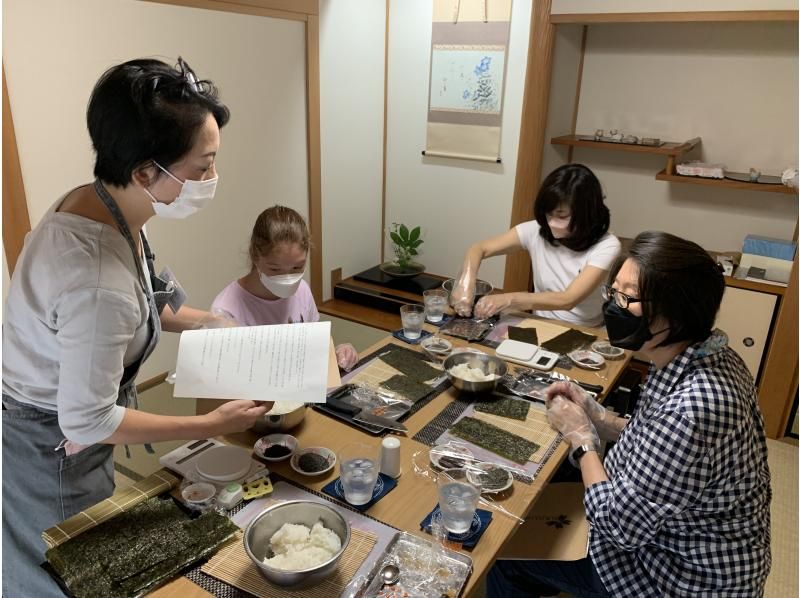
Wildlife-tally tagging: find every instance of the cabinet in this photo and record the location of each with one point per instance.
(746, 317)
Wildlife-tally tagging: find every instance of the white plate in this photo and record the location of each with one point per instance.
(437, 453)
(475, 477)
(607, 350)
(588, 360)
(224, 463)
(263, 443)
(319, 450)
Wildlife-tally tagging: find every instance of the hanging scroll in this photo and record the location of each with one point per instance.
(469, 45)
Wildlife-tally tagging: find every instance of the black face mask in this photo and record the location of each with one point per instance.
(625, 330)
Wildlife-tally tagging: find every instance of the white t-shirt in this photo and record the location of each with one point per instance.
(76, 315)
(554, 269)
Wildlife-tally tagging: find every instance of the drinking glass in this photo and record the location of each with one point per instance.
(458, 499)
(435, 303)
(412, 317)
(359, 465)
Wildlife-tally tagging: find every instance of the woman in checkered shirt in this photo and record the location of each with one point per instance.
(680, 506)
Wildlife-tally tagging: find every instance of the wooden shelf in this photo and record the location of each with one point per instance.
(724, 183)
(752, 285)
(667, 148)
(741, 16)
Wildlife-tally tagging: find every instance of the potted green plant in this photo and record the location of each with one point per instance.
(405, 243)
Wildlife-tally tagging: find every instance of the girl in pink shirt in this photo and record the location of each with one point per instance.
(274, 292)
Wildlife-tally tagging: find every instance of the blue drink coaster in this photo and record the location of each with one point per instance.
(480, 521)
(442, 322)
(398, 334)
(383, 486)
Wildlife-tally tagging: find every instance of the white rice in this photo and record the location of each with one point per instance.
(297, 547)
(463, 371)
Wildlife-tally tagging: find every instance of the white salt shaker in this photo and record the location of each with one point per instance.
(390, 457)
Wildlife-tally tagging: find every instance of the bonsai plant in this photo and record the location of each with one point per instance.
(405, 243)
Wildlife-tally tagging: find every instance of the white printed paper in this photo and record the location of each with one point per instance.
(261, 363)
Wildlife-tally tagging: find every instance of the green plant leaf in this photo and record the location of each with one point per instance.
(417, 243)
(396, 239)
(414, 234)
(412, 252)
(404, 232)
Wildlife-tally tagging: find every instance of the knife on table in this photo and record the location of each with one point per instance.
(363, 415)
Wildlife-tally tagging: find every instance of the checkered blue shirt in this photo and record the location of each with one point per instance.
(686, 510)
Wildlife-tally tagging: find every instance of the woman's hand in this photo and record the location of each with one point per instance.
(462, 296)
(493, 304)
(346, 356)
(608, 426)
(217, 318)
(572, 421)
(237, 416)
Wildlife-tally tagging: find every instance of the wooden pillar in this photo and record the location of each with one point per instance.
(16, 221)
(532, 137)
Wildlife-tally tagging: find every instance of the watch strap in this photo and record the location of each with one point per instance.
(578, 452)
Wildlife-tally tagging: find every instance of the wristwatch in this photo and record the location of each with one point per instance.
(575, 455)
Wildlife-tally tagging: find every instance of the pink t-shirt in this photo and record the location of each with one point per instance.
(250, 310)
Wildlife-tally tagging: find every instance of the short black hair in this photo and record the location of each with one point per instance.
(576, 186)
(678, 281)
(145, 110)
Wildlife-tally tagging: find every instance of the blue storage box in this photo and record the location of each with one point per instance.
(776, 248)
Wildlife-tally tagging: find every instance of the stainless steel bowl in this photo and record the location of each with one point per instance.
(279, 420)
(481, 288)
(306, 512)
(489, 364)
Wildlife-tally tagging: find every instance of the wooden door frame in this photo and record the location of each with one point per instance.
(780, 373)
(16, 220)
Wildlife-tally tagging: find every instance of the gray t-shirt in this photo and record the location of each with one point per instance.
(76, 315)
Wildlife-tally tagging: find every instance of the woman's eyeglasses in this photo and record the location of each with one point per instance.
(620, 298)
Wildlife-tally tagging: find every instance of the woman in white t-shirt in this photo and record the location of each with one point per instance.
(570, 247)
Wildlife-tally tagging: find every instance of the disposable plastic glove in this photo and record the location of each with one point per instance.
(608, 426)
(462, 297)
(492, 304)
(346, 356)
(573, 423)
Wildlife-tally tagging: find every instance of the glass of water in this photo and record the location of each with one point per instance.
(412, 317)
(458, 499)
(435, 303)
(359, 465)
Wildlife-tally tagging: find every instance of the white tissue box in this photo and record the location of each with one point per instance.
(702, 169)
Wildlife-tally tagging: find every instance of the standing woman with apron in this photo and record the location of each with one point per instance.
(85, 309)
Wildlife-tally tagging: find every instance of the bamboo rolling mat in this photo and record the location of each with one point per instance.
(535, 428)
(233, 566)
(119, 502)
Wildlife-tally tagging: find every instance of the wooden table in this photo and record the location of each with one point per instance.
(414, 496)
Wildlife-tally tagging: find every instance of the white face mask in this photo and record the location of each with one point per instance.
(559, 227)
(281, 285)
(193, 197)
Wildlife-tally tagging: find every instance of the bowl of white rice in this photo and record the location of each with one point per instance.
(474, 372)
(297, 542)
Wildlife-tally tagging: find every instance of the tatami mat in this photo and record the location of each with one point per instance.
(783, 464)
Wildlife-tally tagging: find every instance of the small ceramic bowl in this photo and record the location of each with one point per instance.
(199, 495)
(607, 350)
(438, 348)
(587, 359)
(326, 453)
(476, 475)
(263, 444)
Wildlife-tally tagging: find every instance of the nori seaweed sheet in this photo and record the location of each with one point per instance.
(134, 551)
(568, 341)
(505, 407)
(408, 387)
(411, 365)
(507, 445)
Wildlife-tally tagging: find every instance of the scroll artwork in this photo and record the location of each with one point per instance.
(469, 44)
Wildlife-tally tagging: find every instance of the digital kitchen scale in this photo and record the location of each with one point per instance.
(198, 456)
(527, 354)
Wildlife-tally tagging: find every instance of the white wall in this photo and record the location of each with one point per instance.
(351, 116)
(457, 202)
(53, 53)
(733, 85)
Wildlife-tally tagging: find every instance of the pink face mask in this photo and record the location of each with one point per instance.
(559, 227)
